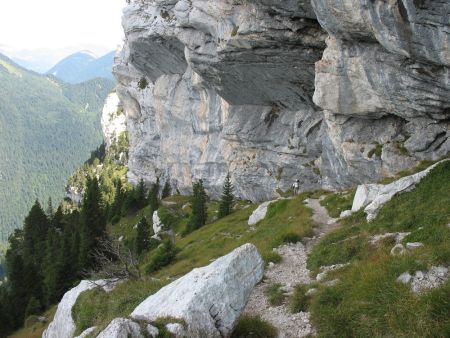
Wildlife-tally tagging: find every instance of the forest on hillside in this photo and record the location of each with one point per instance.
(47, 129)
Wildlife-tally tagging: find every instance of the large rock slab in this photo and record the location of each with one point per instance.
(209, 299)
(63, 325)
(374, 196)
(259, 213)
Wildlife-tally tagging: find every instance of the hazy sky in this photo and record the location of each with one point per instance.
(56, 24)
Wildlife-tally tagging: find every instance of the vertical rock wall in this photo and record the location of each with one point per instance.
(332, 93)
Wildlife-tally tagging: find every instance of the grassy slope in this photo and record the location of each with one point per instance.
(368, 301)
(285, 220)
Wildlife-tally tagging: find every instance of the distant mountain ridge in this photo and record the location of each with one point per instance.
(47, 129)
(83, 66)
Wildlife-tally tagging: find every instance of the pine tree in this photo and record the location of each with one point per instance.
(119, 198)
(167, 190)
(35, 228)
(52, 267)
(142, 236)
(93, 223)
(227, 200)
(153, 197)
(33, 307)
(140, 194)
(199, 207)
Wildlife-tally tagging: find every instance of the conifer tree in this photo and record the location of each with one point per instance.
(142, 236)
(153, 197)
(140, 194)
(167, 190)
(35, 228)
(93, 223)
(227, 200)
(199, 207)
(52, 267)
(119, 198)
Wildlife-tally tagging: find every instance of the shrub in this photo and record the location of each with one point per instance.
(143, 83)
(291, 237)
(254, 327)
(377, 150)
(164, 255)
(274, 294)
(299, 301)
(271, 256)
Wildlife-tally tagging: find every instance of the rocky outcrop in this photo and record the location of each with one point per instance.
(208, 300)
(332, 93)
(113, 120)
(63, 325)
(374, 196)
(425, 280)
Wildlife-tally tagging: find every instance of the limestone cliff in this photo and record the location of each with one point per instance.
(332, 93)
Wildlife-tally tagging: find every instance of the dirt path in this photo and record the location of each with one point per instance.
(290, 272)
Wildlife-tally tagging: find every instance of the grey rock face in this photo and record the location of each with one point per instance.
(418, 29)
(211, 87)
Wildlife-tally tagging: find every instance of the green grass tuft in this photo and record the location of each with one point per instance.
(299, 300)
(253, 327)
(274, 294)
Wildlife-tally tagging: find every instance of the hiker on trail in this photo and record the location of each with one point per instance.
(295, 186)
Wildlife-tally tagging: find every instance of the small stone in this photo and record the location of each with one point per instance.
(414, 245)
(397, 250)
(332, 282)
(419, 275)
(345, 213)
(152, 331)
(311, 292)
(271, 264)
(176, 329)
(404, 278)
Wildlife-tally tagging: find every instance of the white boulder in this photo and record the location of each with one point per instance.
(63, 325)
(157, 225)
(260, 213)
(414, 245)
(404, 278)
(430, 279)
(152, 331)
(122, 328)
(374, 196)
(176, 329)
(209, 299)
(365, 194)
(345, 213)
